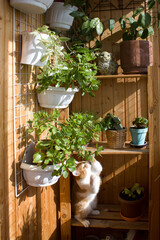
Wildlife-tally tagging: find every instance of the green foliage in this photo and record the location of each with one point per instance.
(110, 122)
(140, 122)
(134, 191)
(139, 25)
(63, 139)
(73, 69)
(87, 27)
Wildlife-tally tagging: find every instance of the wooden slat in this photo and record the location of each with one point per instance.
(126, 150)
(94, 223)
(122, 76)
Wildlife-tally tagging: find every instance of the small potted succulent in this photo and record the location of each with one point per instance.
(138, 131)
(51, 154)
(131, 202)
(115, 132)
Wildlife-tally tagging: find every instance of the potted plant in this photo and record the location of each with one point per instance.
(135, 54)
(65, 73)
(115, 132)
(58, 15)
(138, 131)
(31, 6)
(131, 202)
(53, 155)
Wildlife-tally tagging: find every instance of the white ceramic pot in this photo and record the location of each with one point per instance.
(57, 17)
(33, 49)
(31, 6)
(34, 175)
(55, 97)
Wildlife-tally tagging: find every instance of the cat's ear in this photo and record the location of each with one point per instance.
(76, 173)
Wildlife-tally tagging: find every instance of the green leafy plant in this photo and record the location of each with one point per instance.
(139, 25)
(63, 139)
(75, 68)
(133, 193)
(110, 122)
(87, 26)
(140, 122)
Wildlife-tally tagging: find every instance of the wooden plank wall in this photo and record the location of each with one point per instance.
(35, 213)
(154, 136)
(126, 98)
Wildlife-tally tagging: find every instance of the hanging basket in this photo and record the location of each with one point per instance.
(34, 175)
(58, 16)
(31, 6)
(33, 49)
(116, 138)
(56, 97)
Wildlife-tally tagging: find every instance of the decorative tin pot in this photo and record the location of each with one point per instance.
(55, 97)
(135, 56)
(138, 135)
(31, 6)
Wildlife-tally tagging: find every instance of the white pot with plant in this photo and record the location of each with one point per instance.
(58, 15)
(52, 156)
(65, 73)
(33, 49)
(32, 6)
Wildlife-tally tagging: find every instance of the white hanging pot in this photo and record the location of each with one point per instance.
(31, 6)
(33, 49)
(34, 175)
(58, 16)
(56, 97)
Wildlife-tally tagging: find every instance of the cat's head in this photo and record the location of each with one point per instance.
(82, 169)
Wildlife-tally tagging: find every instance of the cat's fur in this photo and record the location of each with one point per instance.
(84, 193)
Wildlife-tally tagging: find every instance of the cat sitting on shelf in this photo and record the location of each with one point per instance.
(85, 189)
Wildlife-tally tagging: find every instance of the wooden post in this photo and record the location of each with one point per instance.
(65, 204)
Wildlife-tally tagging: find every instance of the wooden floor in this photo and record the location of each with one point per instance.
(110, 218)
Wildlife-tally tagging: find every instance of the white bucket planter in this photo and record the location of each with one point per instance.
(33, 49)
(57, 17)
(31, 6)
(55, 97)
(34, 175)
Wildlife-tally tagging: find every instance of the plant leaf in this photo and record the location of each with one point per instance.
(111, 24)
(158, 18)
(94, 22)
(64, 39)
(99, 28)
(137, 11)
(151, 3)
(145, 19)
(77, 14)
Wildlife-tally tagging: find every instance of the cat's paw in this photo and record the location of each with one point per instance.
(85, 223)
(95, 212)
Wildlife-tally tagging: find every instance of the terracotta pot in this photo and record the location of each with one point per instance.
(135, 56)
(132, 210)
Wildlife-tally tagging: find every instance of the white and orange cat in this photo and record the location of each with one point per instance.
(84, 193)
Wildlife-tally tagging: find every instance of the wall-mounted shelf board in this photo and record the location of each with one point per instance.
(110, 218)
(126, 150)
(123, 76)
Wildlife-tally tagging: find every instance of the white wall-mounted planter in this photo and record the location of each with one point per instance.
(55, 97)
(34, 175)
(33, 49)
(32, 6)
(57, 17)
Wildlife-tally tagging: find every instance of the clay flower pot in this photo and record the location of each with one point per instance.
(135, 56)
(131, 210)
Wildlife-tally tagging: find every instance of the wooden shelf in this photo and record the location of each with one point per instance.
(122, 76)
(110, 218)
(126, 150)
